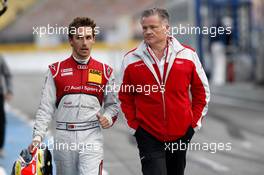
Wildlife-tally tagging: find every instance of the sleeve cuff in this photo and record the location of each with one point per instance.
(133, 127)
(109, 118)
(197, 128)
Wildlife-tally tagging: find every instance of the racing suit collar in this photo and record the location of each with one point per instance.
(81, 61)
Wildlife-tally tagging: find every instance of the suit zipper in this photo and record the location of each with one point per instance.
(78, 112)
(164, 109)
(163, 103)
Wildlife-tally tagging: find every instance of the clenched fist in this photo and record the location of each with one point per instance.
(103, 121)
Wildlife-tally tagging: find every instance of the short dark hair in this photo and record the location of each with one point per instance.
(162, 13)
(81, 22)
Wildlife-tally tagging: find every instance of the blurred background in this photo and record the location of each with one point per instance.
(233, 61)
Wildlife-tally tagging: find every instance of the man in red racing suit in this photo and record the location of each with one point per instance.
(74, 96)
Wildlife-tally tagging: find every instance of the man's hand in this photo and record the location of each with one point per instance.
(33, 145)
(103, 121)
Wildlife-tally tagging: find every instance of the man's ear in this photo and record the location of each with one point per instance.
(168, 27)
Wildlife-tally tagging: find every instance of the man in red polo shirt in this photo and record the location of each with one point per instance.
(167, 115)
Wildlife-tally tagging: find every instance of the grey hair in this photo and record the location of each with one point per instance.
(162, 13)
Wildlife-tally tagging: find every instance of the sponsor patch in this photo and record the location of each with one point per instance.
(95, 76)
(179, 62)
(66, 72)
(82, 67)
(140, 64)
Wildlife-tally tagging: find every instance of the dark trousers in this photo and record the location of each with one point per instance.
(2, 121)
(159, 158)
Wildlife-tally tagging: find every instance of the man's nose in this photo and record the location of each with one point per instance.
(85, 41)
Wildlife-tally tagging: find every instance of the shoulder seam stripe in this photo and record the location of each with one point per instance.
(57, 70)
